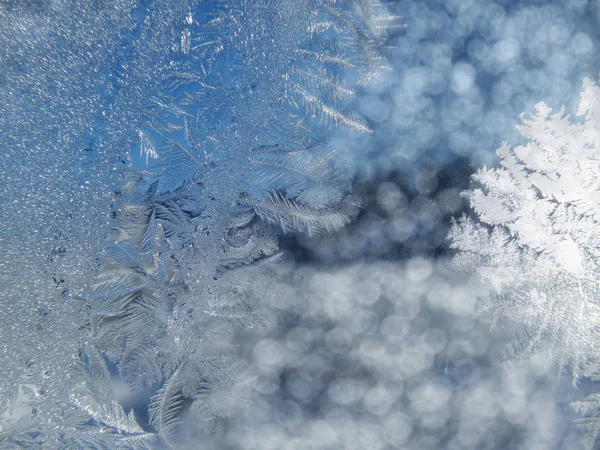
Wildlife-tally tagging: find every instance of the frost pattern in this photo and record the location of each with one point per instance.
(229, 105)
(235, 139)
(535, 239)
(57, 179)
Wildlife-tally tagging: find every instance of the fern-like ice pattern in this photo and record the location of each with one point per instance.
(238, 131)
(535, 240)
(230, 105)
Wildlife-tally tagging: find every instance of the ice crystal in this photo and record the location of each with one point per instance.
(535, 237)
(229, 106)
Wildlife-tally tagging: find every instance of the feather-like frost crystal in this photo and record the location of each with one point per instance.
(533, 236)
(161, 147)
